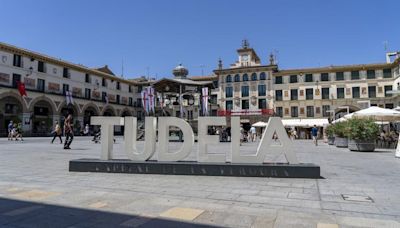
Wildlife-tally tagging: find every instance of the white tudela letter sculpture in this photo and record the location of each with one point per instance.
(274, 126)
(131, 136)
(107, 133)
(163, 139)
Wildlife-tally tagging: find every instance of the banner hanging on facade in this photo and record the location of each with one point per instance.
(204, 93)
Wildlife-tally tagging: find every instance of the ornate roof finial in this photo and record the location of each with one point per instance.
(271, 59)
(220, 66)
(245, 44)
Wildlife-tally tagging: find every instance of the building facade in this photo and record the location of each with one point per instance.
(247, 87)
(47, 80)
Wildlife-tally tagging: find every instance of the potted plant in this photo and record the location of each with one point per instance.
(340, 130)
(362, 134)
(330, 131)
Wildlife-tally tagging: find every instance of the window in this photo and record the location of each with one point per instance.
(103, 96)
(325, 93)
(370, 74)
(41, 67)
(262, 103)
(293, 79)
(139, 89)
(293, 94)
(87, 93)
(245, 77)
(324, 77)
(254, 77)
(387, 89)
(263, 76)
(65, 88)
(356, 92)
(371, 91)
(117, 99)
(387, 73)
(118, 86)
(340, 93)
(278, 95)
(215, 83)
(87, 78)
(310, 111)
(228, 92)
(40, 85)
(278, 80)
(245, 91)
(355, 75)
(130, 100)
(229, 105)
(15, 79)
(309, 78)
(339, 76)
(65, 72)
(130, 89)
(262, 91)
(228, 78)
(17, 60)
(104, 82)
(325, 109)
(279, 111)
(309, 94)
(245, 104)
(294, 111)
(237, 78)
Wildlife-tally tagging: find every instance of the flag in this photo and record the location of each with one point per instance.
(106, 98)
(21, 88)
(145, 100)
(68, 97)
(151, 99)
(204, 93)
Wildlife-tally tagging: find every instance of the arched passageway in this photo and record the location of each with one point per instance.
(11, 109)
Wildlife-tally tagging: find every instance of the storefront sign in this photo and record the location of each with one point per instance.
(4, 78)
(274, 127)
(53, 87)
(29, 82)
(77, 91)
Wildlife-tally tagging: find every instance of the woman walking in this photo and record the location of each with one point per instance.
(57, 132)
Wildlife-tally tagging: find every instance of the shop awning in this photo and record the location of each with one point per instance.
(304, 122)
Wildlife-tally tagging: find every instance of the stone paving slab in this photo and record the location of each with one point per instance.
(36, 189)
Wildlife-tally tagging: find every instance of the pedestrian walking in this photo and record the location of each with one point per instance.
(314, 133)
(57, 132)
(18, 132)
(10, 128)
(86, 130)
(253, 133)
(69, 134)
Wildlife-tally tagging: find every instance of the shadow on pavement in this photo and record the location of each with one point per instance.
(18, 213)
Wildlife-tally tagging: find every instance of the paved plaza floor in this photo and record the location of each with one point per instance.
(37, 190)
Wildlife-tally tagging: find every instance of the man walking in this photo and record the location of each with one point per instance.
(69, 134)
(57, 132)
(314, 133)
(10, 129)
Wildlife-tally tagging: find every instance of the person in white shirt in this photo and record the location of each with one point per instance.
(253, 134)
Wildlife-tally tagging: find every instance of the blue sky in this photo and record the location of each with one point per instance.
(154, 36)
